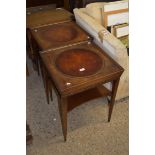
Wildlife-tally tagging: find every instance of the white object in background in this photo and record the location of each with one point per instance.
(122, 31)
(118, 5)
(119, 18)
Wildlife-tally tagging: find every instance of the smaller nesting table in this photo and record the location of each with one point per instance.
(55, 37)
(40, 17)
(59, 35)
(46, 17)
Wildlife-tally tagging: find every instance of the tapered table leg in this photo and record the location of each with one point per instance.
(47, 89)
(51, 91)
(114, 91)
(42, 69)
(37, 64)
(63, 114)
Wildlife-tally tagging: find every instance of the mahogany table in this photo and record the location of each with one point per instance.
(47, 15)
(77, 74)
(57, 36)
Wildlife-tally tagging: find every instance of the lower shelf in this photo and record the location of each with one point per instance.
(85, 96)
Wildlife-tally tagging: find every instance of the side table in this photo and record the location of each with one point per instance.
(54, 37)
(36, 17)
(77, 74)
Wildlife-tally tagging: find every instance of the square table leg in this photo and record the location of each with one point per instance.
(50, 89)
(112, 100)
(43, 72)
(47, 89)
(63, 109)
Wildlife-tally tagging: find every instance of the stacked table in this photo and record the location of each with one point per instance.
(74, 67)
(42, 16)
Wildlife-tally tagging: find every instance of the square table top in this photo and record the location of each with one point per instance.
(59, 35)
(81, 67)
(46, 17)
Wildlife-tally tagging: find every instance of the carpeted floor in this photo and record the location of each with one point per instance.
(89, 133)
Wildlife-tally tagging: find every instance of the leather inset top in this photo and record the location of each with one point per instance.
(60, 33)
(78, 62)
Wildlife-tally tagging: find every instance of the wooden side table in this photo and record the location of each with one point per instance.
(77, 74)
(54, 37)
(36, 17)
(46, 17)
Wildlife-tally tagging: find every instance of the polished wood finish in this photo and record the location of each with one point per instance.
(78, 62)
(63, 106)
(73, 66)
(114, 91)
(73, 91)
(40, 17)
(80, 98)
(68, 85)
(59, 35)
(46, 17)
(56, 33)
